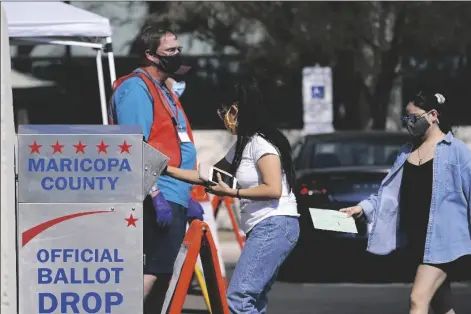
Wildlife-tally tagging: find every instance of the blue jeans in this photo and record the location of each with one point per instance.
(267, 246)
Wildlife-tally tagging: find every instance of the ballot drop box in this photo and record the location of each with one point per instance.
(79, 218)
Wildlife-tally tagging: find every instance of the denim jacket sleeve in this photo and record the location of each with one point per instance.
(369, 206)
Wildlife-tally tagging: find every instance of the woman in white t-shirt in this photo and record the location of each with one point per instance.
(261, 161)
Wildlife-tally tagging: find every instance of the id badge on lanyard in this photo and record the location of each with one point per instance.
(183, 135)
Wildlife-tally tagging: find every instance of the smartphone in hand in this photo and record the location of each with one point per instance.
(209, 174)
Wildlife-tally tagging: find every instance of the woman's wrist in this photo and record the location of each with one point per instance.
(154, 191)
(361, 213)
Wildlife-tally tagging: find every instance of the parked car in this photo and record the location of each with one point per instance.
(334, 171)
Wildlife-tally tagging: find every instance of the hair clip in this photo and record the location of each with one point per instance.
(440, 98)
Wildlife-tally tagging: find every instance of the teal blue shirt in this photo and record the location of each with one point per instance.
(133, 105)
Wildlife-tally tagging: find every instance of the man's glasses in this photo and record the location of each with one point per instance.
(172, 50)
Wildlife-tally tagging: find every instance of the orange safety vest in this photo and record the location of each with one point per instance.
(163, 133)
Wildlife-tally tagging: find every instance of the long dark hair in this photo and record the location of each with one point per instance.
(253, 119)
(428, 101)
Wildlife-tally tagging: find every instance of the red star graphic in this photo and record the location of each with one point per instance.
(131, 220)
(125, 147)
(102, 147)
(57, 147)
(79, 148)
(34, 148)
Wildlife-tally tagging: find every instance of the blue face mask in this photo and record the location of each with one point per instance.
(178, 88)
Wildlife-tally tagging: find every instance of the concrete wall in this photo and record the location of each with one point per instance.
(212, 145)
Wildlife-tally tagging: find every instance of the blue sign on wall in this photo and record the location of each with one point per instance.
(317, 92)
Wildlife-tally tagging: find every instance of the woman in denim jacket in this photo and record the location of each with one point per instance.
(424, 205)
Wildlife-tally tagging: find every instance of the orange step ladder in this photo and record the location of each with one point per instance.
(198, 240)
(198, 193)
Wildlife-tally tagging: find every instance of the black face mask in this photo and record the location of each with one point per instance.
(169, 64)
(418, 128)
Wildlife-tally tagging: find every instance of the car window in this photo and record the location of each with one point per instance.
(345, 153)
(296, 153)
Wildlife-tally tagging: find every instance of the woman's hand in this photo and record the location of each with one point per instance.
(221, 189)
(355, 211)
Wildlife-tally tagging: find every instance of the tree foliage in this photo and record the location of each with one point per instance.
(367, 41)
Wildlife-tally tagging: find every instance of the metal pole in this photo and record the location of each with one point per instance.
(68, 49)
(111, 60)
(101, 85)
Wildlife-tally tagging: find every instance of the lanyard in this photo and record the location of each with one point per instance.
(161, 90)
(174, 115)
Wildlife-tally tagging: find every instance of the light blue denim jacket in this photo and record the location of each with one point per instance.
(449, 228)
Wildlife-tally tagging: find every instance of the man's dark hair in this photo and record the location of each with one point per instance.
(150, 38)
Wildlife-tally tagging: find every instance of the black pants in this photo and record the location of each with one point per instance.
(161, 245)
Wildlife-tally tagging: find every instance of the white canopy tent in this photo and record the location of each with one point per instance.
(58, 23)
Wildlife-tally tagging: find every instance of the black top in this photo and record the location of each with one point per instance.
(415, 198)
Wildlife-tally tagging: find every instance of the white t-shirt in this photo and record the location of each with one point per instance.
(248, 176)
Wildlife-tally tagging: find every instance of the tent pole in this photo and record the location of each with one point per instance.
(111, 60)
(101, 85)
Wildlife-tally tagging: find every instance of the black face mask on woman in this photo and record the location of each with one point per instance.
(419, 127)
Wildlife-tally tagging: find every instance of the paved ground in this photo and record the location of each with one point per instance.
(338, 298)
(286, 298)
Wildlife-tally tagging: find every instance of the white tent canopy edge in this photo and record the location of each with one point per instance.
(58, 23)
